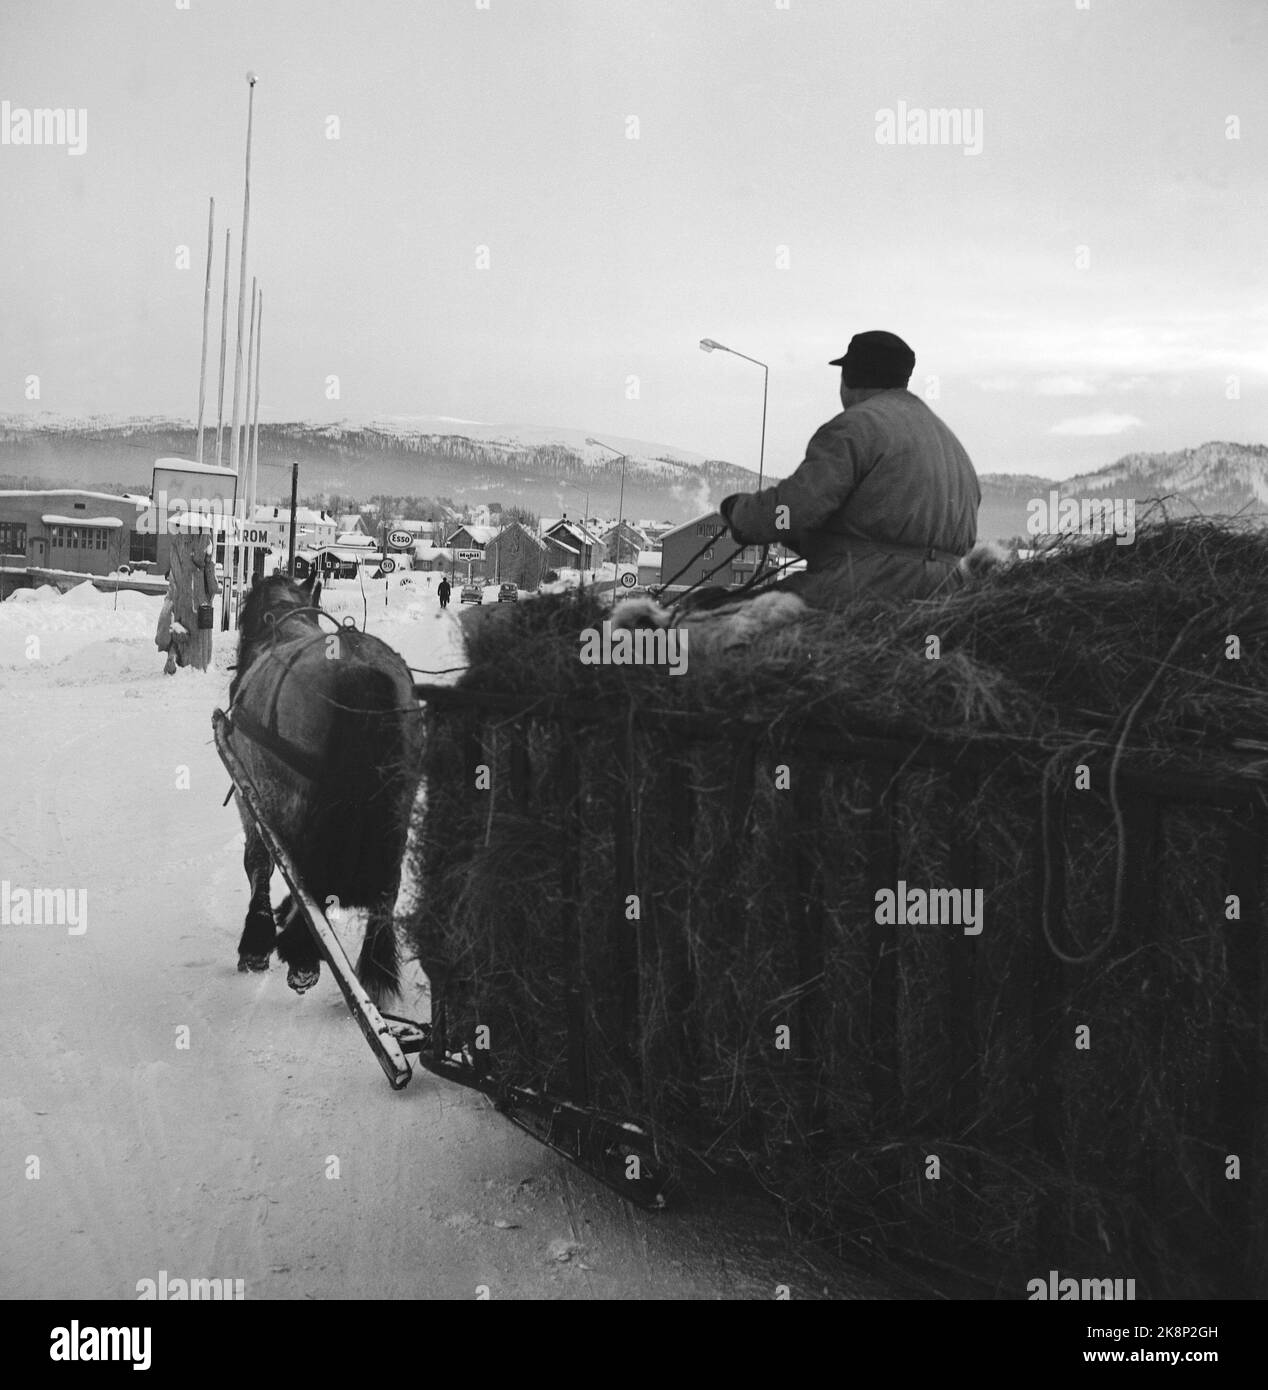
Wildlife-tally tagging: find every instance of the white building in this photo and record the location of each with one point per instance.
(351, 523)
(313, 529)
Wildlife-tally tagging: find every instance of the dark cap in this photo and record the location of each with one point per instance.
(876, 358)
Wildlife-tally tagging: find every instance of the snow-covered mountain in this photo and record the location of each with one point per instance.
(1214, 479)
(551, 469)
(547, 469)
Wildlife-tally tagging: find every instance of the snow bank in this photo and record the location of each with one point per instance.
(65, 624)
(86, 596)
(42, 594)
(71, 627)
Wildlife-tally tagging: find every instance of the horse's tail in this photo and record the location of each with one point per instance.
(368, 783)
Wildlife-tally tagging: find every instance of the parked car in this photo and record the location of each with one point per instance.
(508, 593)
(471, 593)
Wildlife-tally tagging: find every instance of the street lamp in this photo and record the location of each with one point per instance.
(708, 345)
(620, 520)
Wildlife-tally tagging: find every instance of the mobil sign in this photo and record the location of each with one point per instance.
(400, 540)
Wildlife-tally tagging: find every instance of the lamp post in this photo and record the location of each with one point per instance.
(620, 506)
(708, 345)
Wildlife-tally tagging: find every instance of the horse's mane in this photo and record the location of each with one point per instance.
(276, 609)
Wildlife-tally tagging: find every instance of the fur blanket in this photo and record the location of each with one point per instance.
(716, 629)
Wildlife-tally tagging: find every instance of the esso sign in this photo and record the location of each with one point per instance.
(400, 540)
(388, 564)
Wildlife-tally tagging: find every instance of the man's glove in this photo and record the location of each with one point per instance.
(725, 508)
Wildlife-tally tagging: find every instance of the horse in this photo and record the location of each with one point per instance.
(326, 725)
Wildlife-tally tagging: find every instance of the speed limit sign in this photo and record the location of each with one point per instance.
(629, 579)
(388, 564)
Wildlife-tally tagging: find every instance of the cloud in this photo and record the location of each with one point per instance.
(1103, 422)
(998, 383)
(1064, 386)
(1149, 343)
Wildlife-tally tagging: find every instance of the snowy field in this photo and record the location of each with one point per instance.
(161, 1112)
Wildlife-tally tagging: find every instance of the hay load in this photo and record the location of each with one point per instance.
(942, 920)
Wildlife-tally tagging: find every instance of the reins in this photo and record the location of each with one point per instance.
(760, 575)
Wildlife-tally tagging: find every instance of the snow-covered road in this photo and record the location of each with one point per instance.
(186, 1118)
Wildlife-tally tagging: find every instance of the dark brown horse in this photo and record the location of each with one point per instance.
(325, 723)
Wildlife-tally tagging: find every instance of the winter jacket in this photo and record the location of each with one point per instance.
(884, 503)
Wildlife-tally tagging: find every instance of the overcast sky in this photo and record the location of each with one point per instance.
(756, 207)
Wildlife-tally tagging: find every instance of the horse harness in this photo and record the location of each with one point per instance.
(269, 736)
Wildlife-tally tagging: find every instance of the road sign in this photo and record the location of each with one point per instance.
(400, 540)
(388, 564)
(468, 554)
(249, 535)
(629, 579)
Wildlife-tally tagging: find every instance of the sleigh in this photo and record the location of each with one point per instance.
(906, 986)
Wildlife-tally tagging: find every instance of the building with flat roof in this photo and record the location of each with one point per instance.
(67, 531)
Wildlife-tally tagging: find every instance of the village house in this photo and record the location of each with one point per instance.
(631, 539)
(351, 524)
(648, 567)
(470, 537)
(467, 544)
(432, 558)
(313, 529)
(516, 556)
(577, 540)
(681, 543)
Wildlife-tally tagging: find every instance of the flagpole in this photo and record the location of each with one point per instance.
(235, 442)
(255, 441)
(202, 366)
(224, 337)
(244, 550)
(246, 403)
